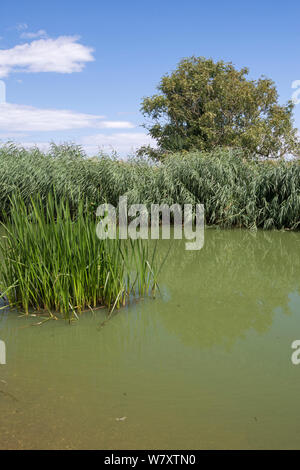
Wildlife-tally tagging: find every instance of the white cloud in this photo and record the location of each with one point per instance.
(21, 26)
(41, 33)
(62, 55)
(121, 142)
(4, 136)
(43, 146)
(116, 125)
(20, 118)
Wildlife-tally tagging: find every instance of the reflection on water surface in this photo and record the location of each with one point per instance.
(206, 365)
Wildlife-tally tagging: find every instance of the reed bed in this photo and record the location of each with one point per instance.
(236, 191)
(52, 260)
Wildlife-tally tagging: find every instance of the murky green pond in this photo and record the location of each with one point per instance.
(205, 365)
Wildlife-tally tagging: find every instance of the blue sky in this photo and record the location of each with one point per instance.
(77, 70)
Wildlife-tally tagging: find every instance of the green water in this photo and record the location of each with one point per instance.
(205, 365)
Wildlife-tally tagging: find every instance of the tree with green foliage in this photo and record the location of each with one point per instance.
(205, 104)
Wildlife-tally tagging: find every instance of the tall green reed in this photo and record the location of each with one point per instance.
(53, 260)
(235, 191)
